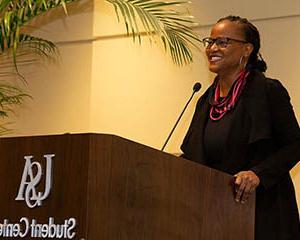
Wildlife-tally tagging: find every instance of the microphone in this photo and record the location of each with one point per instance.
(196, 88)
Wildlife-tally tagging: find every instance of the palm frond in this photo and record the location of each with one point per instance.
(14, 14)
(157, 18)
(38, 45)
(15, 44)
(10, 96)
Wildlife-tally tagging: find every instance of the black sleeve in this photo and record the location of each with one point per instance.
(286, 135)
(185, 144)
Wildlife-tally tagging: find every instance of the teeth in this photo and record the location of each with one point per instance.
(215, 58)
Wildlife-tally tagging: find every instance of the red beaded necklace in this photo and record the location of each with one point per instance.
(220, 107)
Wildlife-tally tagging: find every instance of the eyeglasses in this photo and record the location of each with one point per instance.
(221, 42)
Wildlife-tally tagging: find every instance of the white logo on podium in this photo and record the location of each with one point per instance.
(33, 173)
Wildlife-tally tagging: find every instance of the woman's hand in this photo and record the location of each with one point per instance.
(245, 183)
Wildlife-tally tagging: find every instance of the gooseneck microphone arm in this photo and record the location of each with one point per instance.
(196, 88)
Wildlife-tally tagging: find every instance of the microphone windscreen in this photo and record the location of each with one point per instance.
(197, 87)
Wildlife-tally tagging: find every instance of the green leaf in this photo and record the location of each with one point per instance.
(172, 27)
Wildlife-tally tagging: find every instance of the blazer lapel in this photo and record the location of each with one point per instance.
(250, 124)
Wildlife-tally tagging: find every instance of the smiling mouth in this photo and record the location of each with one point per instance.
(215, 59)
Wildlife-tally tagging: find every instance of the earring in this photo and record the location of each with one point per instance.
(241, 62)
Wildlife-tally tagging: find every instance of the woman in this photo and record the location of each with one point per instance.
(244, 125)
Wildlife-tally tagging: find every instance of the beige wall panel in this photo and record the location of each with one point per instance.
(208, 11)
(58, 27)
(105, 20)
(61, 95)
(138, 93)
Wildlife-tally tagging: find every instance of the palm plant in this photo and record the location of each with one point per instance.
(159, 20)
(153, 18)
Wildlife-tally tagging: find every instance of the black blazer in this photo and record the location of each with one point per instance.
(264, 137)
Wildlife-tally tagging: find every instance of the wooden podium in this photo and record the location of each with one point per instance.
(114, 189)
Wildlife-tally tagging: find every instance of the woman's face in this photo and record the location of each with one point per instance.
(231, 57)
